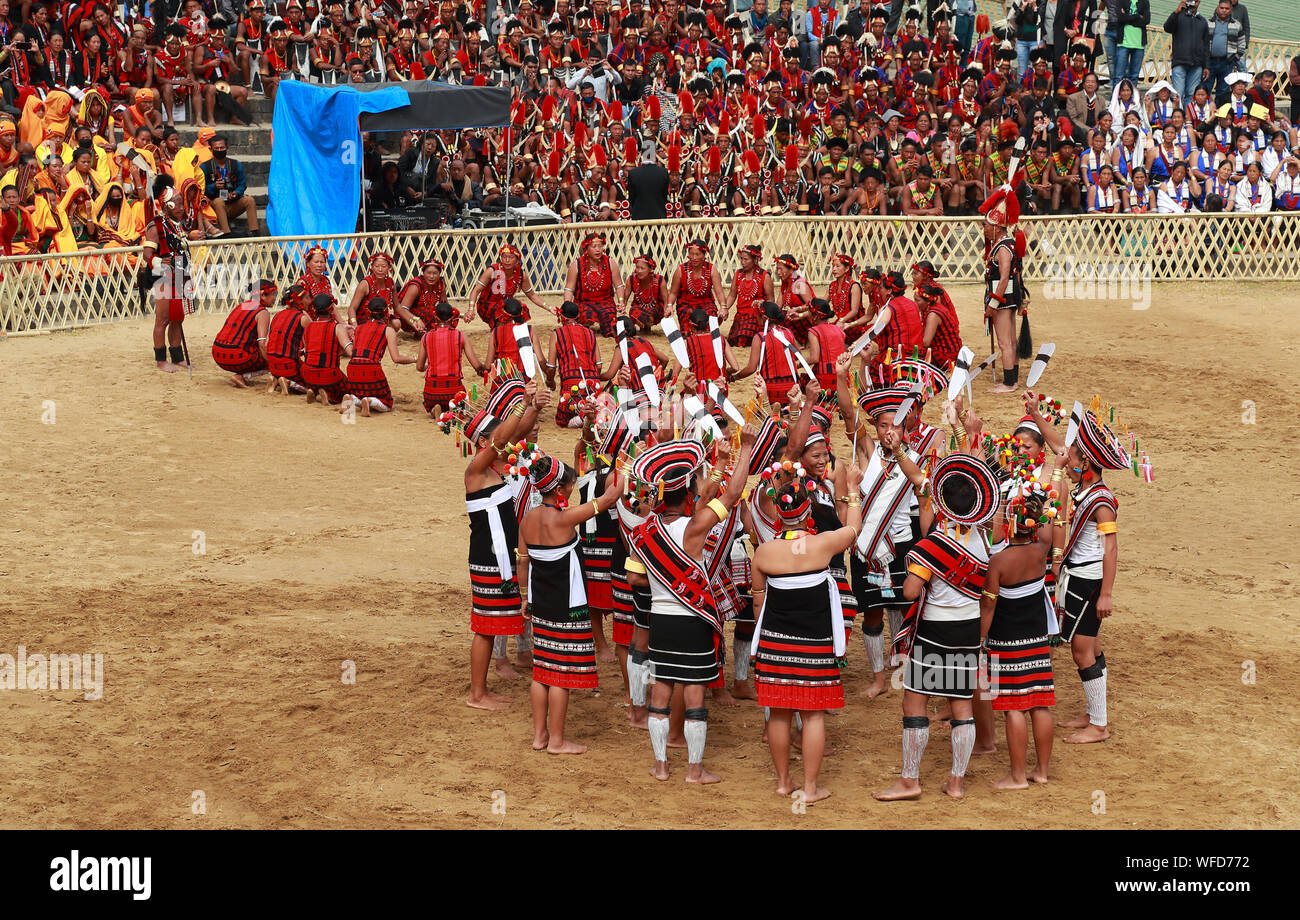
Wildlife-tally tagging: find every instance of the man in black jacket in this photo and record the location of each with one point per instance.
(647, 188)
(1190, 59)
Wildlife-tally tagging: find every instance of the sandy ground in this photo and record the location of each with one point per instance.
(328, 543)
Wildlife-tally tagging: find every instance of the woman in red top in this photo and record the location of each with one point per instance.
(768, 356)
(240, 346)
(503, 348)
(704, 361)
(941, 329)
(417, 305)
(284, 341)
(751, 285)
(315, 277)
(503, 278)
(324, 343)
(592, 282)
(575, 355)
(845, 296)
(439, 360)
(825, 343)
(696, 286)
(643, 300)
(796, 294)
(378, 282)
(901, 337)
(367, 387)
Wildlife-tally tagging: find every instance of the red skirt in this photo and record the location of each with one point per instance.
(601, 312)
(791, 672)
(646, 314)
(440, 390)
(686, 306)
(238, 360)
(284, 367)
(597, 559)
(173, 308)
(368, 381)
(329, 379)
(778, 391)
(496, 608)
(564, 649)
(799, 327)
(747, 324)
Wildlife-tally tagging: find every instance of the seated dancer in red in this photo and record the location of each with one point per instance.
(503, 348)
(240, 346)
(575, 355)
(417, 304)
(315, 277)
(367, 387)
(703, 357)
(941, 329)
(769, 357)
(901, 337)
(284, 341)
(503, 278)
(324, 343)
(795, 296)
(592, 283)
(644, 297)
(825, 343)
(378, 282)
(696, 285)
(845, 296)
(636, 345)
(439, 360)
(751, 285)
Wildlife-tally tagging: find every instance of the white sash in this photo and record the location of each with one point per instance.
(809, 580)
(492, 505)
(577, 587)
(877, 516)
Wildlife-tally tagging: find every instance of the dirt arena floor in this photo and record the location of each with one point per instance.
(327, 543)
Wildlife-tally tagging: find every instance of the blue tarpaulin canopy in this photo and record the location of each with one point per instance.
(315, 181)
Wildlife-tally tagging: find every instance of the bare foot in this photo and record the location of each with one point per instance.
(237, 380)
(705, 778)
(504, 671)
(955, 786)
(539, 744)
(275, 382)
(1089, 735)
(603, 653)
(877, 687)
(311, 396)
(365, 408)
(901, 790)
(991, 749)
(723, 697)
(1009, 782)
(678, 742)
(1076, 722)
(524, 662)
(166, 367)
(786, 788)
(660, 770)
(1039, 775)
(811, 798)
(1002, 388)
(638, 721)
(566, 747)
(488, 701)
(743, 690)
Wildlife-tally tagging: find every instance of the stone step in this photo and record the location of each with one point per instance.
(254, 138)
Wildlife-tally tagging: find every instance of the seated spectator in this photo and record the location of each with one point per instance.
(1139, 197)
(1178, 193)
(1254, 194)
(225, 186)
(392, 192)
(1286, 184)
(1103, 196)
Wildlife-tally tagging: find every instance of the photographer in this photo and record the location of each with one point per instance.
(601, 77)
